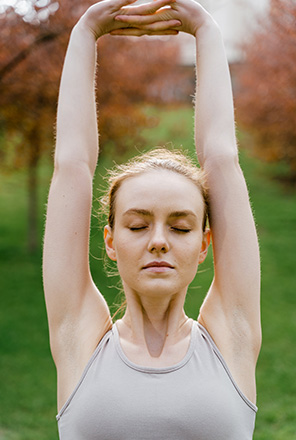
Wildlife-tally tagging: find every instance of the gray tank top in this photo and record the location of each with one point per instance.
(196, 399)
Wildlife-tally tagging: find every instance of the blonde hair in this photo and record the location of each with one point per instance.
(157, 159)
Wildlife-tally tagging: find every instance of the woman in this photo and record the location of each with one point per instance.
(155, 374)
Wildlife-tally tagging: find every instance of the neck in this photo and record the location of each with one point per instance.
(153, 321)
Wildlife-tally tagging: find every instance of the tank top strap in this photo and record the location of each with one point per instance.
(221, 359)
(95, 354)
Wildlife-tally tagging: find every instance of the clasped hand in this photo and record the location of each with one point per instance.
(159, 17)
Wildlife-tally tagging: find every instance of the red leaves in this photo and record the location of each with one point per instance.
(266, 98)
(31, 59)
(132, 71)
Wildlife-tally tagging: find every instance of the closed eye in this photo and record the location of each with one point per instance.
(181, 229)
(139, 228)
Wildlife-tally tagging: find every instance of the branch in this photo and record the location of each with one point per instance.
(26, 52)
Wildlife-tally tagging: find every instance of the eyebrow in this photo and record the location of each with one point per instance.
(186, 213)
(147, 213)
(142, 212)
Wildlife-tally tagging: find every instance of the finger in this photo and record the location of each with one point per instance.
(136, 20)
(147, 8)
(134, 32)
(161, 25)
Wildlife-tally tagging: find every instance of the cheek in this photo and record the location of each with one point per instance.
(127, 253)
(191, 261)
(191, 264)
(191, 252)
(124, 261)
(123, 254)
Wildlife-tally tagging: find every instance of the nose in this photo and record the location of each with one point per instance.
(158, 240)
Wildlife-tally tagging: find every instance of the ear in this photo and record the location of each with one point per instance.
(205, 246)
(109, 245)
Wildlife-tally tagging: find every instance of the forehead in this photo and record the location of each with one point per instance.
(159, 191)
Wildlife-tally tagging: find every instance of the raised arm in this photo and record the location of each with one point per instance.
(77, 313)
(233, 300)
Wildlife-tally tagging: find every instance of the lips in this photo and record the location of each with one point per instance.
(159, 264)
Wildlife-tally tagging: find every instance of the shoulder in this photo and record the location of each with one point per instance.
(73, 364)
(237, 351)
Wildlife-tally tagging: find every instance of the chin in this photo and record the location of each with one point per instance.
(158, 288)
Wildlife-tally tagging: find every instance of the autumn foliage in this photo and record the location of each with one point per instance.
(131, 70)
(31, 57)
(266, 98)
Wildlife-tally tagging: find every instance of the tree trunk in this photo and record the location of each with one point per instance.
(33, 236)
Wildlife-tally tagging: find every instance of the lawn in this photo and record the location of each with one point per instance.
(28, 403)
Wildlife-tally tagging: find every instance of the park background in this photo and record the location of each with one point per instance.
(140, 108)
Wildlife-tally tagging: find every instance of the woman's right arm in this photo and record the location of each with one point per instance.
(78, 315)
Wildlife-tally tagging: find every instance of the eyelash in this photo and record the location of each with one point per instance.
(181, 230)
(174, 229)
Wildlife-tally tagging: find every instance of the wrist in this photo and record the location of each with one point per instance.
(84, 28)
(209, 26)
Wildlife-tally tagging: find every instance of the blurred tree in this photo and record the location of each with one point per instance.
(33, 45)
(29, 74)
(266, 95)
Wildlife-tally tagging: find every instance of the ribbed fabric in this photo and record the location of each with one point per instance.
(196, 399)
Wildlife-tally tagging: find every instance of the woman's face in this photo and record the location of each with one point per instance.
(157, 239)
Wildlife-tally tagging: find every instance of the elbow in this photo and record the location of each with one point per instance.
(72, 171)
(66, 163)
(225, 160)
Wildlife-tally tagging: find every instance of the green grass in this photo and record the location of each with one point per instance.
(27, 403)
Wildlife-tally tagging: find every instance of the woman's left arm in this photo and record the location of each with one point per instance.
(232, 305)
(231, 309)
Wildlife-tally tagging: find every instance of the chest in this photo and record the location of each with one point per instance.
(118, 402)
(171, 354)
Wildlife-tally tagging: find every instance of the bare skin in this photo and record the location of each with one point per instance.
(150, 230)
(155, 330)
